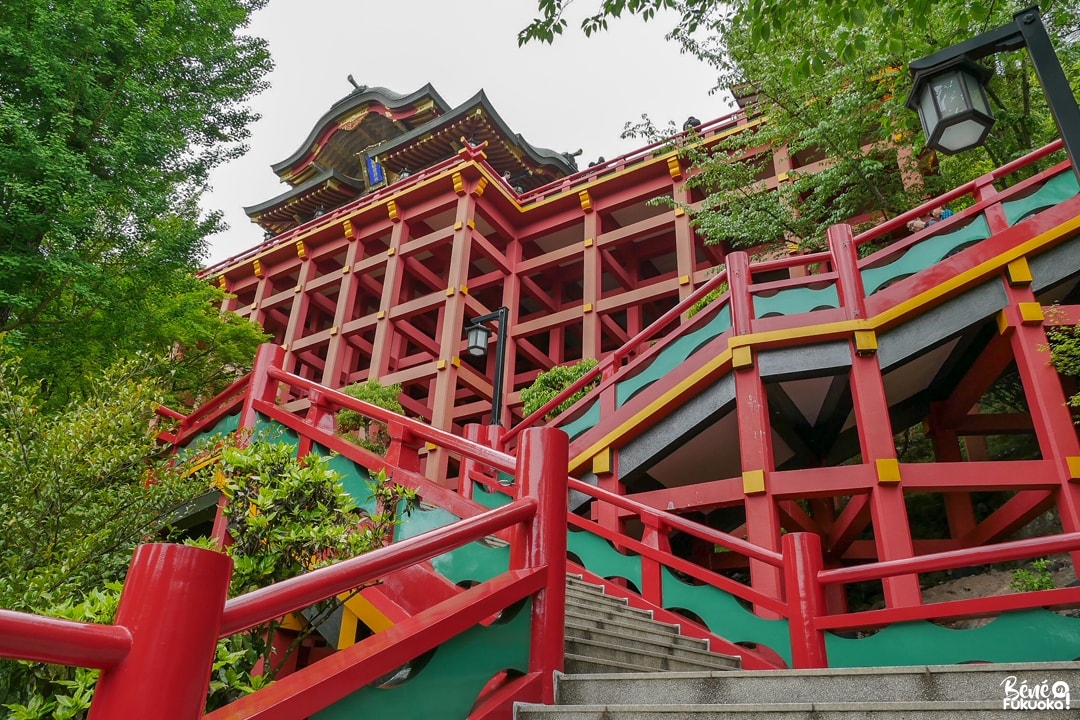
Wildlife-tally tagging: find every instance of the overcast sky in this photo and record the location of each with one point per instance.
(577, 93)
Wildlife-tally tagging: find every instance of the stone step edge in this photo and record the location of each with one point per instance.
(773, 707)
(1063, 666)
(696, 656)
(631, 670)
(629, 621)
(619, 634)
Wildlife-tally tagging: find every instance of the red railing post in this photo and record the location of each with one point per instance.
(805, 598)
(541, 472)
(404, 450)
(262, 387)
(486, 435)
(172, 605)
(845, 260)
(652, 571)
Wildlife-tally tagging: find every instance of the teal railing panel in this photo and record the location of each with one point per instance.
(930, 251)
(597, 556)
(1054, 191)
(488, 498)
(1020, 636)
(587, 420)
(475, 562)
(446, 683)
(725, 616)
(673, 355)
(791, 301)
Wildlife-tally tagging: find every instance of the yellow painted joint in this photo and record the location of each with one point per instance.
(223, 283)
(589, 242)
(1002, 319)
(753, 482)
(254, 306)
(441, 365)
(742, 357)
(888, 470)
(380, 315)
(390, 252)
(782, 177)
(679, 212)
(601, 462)
(455, 361)
(472, 224)
(345, 270)
(347, 229)
(449, 291)
(586, 201)
(256, 267)
(392, 211)
(464, 289)
(1074, 467)
(298, 288)
(301, 251)
(459, 184)
(1031, 313)
(684, 279)
(587, 307)
(865, 342)
(333, 330)
(1019, 272)
(458, 225)
(481, 185)
(430, 446)
(673, 168)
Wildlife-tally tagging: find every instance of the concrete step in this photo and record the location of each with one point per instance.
(647, 657)
(788, 711)
(589, 600)
(578, 626)
(670, 644)
(955, 683)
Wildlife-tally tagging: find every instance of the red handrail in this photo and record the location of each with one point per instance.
(65, 642)
(615, 358)
(274, 601)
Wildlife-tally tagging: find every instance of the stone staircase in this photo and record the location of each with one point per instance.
(604, 635)
(623, 665)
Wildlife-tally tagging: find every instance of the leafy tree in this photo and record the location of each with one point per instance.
(112, 113)
(830, 80)
(550, 383)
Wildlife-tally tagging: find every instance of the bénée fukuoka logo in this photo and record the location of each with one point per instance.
(1045, 695)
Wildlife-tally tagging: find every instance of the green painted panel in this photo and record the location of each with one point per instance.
(488, 498)
(447, 685)
(1054, 191)
(725, 616)
(586, 421)
(673, 355)
(1021, 636)
(929, 252)
(598, 556)
(354, 478)
(791, 301)
(475, 562)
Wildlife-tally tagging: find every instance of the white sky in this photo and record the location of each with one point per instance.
(577, 93)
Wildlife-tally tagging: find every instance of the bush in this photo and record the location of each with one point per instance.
(1039, 577)
(549, 384)
(369, 434)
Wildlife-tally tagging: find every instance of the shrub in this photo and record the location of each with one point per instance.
(369, 434)
(549, 384)
(1039, 577)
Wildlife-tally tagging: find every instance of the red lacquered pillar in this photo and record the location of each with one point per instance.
(172, 603)
(541, 469)
(805, 598)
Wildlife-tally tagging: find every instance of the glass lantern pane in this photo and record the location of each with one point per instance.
(961, 136)
(949, 94)
(927, 110)
(977, 94)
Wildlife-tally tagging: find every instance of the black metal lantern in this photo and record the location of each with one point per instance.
(952, 105)
(477, 336)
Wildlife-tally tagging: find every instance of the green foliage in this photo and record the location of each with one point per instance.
(552, 382)
(73, 485)
(112, 115)
(709, 296)
(287, 516)
(831, 79)
(370, 434)
(1065, 352)
(1039, 577)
